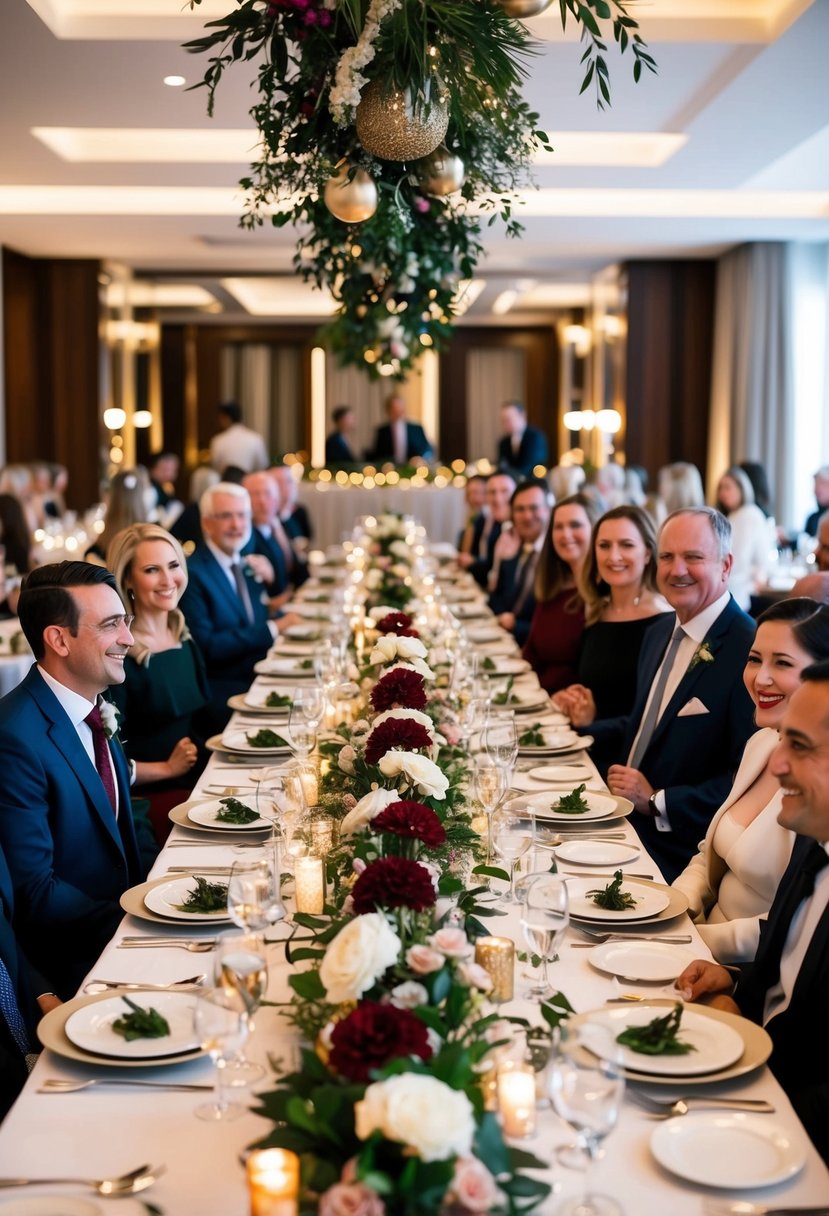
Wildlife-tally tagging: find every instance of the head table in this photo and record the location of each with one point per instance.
(107, 1131)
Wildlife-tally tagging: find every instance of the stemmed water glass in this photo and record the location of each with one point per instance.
(222, 1031)
(490, 787)
(253, 896)
(302, 728)
(545, 915)
(501, 740)
(241, 970)
(586, 1089)
(513, 833)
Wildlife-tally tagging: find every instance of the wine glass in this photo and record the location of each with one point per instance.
(490, 787)
(302, 731)
(473, 717)
(241, 969)
(586, 1090)
(310, 702)
(253, 899)
(501, 740)
(513, 832)
(222, 1030)
(545, 915)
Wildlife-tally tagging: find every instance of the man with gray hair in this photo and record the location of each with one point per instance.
(692, 716)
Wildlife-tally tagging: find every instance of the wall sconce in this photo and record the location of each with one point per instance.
(114, 418)
(606, 421)
(579, 337)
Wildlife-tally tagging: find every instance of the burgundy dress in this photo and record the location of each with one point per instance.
(552, 647)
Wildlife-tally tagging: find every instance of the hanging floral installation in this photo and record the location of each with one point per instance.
(391, 132)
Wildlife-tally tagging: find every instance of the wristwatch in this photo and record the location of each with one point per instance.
(652, 807)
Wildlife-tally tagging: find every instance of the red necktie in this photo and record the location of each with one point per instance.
(103, 760)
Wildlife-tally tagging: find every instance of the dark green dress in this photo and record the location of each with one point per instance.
(160, 701)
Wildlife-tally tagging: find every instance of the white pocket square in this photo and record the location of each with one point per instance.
(692, 707)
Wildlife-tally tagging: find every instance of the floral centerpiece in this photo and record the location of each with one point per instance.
(389, 129)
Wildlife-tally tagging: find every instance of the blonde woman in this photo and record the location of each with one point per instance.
(752, 536)
(131, 499)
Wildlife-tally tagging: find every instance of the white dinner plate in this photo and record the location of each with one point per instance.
(599, 806)
(236, 740)
(166, 898)
(561, 773)
(257, 698)
(580, 743)
(596, 853)
(651, 899)
(291, 668)
(488, 633)
(292, 648)
(205, 814)
(90, 1028)
(303, 633)
(506, 666)
(470, 611)
(648, 962)
(727, 1149)
(716, 1044)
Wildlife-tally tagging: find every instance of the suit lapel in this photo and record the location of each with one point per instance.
(217, 576)
(715, 640)
(657, 644)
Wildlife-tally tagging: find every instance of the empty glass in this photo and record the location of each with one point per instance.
(241, 970)
(545, 915)
(513, 833)
(501, 740)
(253, 898)
(490, 787)
(222, 1030)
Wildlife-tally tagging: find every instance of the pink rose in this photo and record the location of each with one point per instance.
(358, 865)
(452, 942)
(421, 204)
(349, 802)
(473, 1187)
(350, 1199)
(423, 960)
(475, 976)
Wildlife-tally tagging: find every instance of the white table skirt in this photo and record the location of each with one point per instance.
(333, 509)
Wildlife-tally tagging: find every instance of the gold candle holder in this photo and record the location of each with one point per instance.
(497, 957)
(309, 879)
(273, 1182)
(516, 1100)
(323, 834)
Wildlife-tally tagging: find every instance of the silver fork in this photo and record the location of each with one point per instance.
(149, 942)
(598, 939)
(53, 1085)
(741, 1207)
(667, 1108)
(192, 981)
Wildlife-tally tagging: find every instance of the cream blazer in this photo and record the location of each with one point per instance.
(757, 859)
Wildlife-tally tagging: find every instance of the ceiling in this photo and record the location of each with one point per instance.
(728, 143)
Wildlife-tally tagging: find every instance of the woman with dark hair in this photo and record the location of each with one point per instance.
(14, 534)
(731, 881)
(751, 535)
(558, 621)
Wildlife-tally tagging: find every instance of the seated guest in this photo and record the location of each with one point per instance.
(14, 535)
(759, 478)
(295, 518)
(813, 587)
(399, 441)
(751, 538)
(822, 498)
(187, 528)
(512, 598)
(566, 480)
(165, 684)
(338, 448)
(618, 586)
(163, 470)
(553, 642)
(66, 824)
(500, 488)
(786, 989)
(731, 881)
(269, 536)
(521, 447)
(682, 741)
(223, 603)
(475, 497)
(680, 486)
(130, 500)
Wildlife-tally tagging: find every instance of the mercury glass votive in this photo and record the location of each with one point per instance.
(309, 885)
(273, 1182)
(322, 833)
(497, 957)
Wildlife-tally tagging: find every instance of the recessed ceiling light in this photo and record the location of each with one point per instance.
(175, 82)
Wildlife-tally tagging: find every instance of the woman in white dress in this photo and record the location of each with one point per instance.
(731, 881)
(752, 535)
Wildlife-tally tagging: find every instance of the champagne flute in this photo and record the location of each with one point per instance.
(222, 1030)
(490, 787)
(545, 915)
(586, 1090)
(241, 969)
(513, 833)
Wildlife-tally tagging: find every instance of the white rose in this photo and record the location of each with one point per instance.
(357, 957)
(368, 808)
(416, 715)
(417, 770)
(409, 995)
(390, 647)
(422, 669)
(419, 1111)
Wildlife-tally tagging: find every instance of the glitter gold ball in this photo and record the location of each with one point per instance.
(388, 126)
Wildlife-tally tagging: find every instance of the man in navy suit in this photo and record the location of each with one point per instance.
(521, 447)
(399, 441)
(500, 488)
(66, 824)
(267, 535)
(683, 740)
(338, 449)
(512, 577)
(786, 989)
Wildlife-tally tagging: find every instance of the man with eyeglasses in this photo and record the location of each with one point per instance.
(66, 823)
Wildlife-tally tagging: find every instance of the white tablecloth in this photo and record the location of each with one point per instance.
(13, 667)
(333, 509)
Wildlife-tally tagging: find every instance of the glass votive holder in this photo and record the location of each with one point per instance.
(273, 1182)
(309, 885)
(515, 1088)
(497, 957)
(322, 832)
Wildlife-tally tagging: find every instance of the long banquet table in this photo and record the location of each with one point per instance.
(332, 507)
(107, 1131)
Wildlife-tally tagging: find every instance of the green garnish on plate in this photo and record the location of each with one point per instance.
(488, 664)
(234, 811)
(266, 738)
(141, 1023)
(612, 898)
(532, 737)
(573, 803)
(207, 897)
(658, 1038)
(278, 700)
(306, 664)
(507, 697)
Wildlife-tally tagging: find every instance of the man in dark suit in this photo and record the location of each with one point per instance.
(786, 989)
(516, 557)
(500, 488)
(66, 824)
(683, 740)
(267, 535)
(223, 604)
(521, 447)
(399, 441)
(338, 449)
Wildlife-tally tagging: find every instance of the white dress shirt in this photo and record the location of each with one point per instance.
(77, 709)
(798, 940)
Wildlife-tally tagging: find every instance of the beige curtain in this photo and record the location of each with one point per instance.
(492, 377)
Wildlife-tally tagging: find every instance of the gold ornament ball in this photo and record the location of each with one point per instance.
(524, 8)
(388, 125)
(354, 200)
(440, 173)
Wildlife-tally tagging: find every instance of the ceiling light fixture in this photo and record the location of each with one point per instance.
(175, 82)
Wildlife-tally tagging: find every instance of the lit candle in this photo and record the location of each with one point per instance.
(273, 1182)
(309, 875)
(310, 783)
(497, 956)
(516, 1100)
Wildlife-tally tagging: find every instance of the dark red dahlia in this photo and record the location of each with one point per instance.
(393, 882)
(372, 1035)
(399, 623)
(413, 820)
(399, 689)
(403, 733)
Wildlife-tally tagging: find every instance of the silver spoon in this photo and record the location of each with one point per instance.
(94, 986)
(125, 1184)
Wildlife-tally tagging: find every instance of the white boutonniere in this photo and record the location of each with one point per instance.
(702, 654)
(109, 717)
